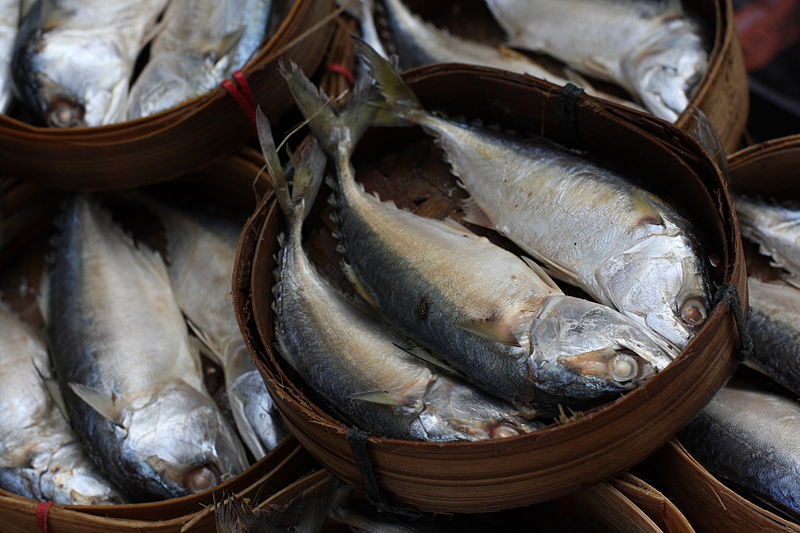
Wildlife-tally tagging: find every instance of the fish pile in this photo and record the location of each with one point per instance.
(653, 49)
(749, 435)
(474, 341)
(125, 414)
(73, 63)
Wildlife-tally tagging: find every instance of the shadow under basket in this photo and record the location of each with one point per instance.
(607, 507)
(178, 140)
(28, 212)
(468, 477)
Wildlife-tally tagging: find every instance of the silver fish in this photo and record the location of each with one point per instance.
(40, 456)
(131, 381)
(351, 359)
(590, 226)
(495, 317)
(201, 43)
(774, 325)
(363, 12)
(652, 48)
(420, 43)
(9, 22)
(751, 439)
(201, 250)
(776, 230)
(73, 59)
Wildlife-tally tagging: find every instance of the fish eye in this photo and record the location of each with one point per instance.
(623, 367)
(200, 478)
(694, 311)
(65, 114)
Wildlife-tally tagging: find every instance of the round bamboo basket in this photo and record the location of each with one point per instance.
(707, 503)
(655, 505)
(28, 211)
(601, 508)
(722, 95)
(501, 474)
(178, 140)
(766, 169)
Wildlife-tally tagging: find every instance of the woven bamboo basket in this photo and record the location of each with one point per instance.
(722, 95)
(176, 141)
(604, 507)
(502, 474)
(655, 505)
(707, 503)
(768, 168)
(28, 211)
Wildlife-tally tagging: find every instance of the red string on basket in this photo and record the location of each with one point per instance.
(42, 513)
(242, 94)
(344, 71)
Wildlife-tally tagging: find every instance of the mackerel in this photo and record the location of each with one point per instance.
(364, 368)
(40, 456)
(497, 318)
(589, 225)
(131, 380)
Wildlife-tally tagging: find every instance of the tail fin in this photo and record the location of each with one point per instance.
(399, 100)
(363, 12)
(308, 164)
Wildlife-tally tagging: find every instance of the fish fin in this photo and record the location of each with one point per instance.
(53, 390)
(200, 342)
(105, 403)
(420, 353)
(648, 214)
(541, 272)
(491, 330)
(597, 67)
(308, 163)
(474, 214)
(356, 282)
(382, 398)
(400, 105)
(559, 272)
(228, 41)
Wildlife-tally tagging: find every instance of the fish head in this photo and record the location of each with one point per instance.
(456, 411)
(662, 286)
(72, 81)
(180, 442)
(666, 72)
(581, 350)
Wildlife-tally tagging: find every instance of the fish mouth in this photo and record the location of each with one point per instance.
(623, 367)
(65, 113)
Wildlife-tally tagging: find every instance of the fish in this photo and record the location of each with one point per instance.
(200, 43)
(652, 48)
(40, 456)
(131, 380)
(367, 370)
(589, 225)
(498, 319)
(776, 230)
(201, 248)
(363, 11)
(774, 325)
(73, 59)
(750, 439)
(421, 43)
(9, 22)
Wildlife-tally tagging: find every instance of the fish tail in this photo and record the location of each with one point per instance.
(308, 164)
(338, 131)
(400, 105)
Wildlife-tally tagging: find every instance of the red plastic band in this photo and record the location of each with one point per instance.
(42, 513)
(344, 71)
(242, 95)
